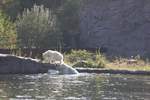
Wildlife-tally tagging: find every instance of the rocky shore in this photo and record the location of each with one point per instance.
(111, 71)
(11, 64)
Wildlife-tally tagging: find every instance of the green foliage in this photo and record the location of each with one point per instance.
(69, 22)
(37, 28)
(66, 11)
(4, 3)
(77, 55)
(83, 58)
(14, 7)
(89, 64)
(100, 59)
(7, 32)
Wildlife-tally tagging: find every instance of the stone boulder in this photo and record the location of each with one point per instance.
(10, 64)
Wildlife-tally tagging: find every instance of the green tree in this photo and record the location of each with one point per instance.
(68, 16)
(14, 7)
(7, 32)
(4, 3)
(37, 28)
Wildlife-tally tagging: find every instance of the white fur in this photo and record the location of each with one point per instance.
(53, 57)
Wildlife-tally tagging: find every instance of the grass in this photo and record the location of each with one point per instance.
(86, 59)
(131, 68)
(135, 64)
(83, 58)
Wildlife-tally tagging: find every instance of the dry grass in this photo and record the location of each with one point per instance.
(133, 63)
(129, 64)
(85, 58)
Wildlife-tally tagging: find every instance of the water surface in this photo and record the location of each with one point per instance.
(74, 87)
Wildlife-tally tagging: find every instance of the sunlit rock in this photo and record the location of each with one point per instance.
(10, 64)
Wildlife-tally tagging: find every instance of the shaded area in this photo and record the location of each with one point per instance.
(111, 71)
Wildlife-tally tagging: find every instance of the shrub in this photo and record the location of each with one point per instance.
(83, 58)
(7, 32)
(77, 55)
(37, 28)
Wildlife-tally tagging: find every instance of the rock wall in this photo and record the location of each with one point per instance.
(121, 26)
(10, 64)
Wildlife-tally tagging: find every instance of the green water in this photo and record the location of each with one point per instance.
(75, 87)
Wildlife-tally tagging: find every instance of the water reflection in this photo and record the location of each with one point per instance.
(72, 87)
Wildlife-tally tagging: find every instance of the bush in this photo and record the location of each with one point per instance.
(83, 58)
(89, 64)
(7, 32)
(77, 55)
(37, 28)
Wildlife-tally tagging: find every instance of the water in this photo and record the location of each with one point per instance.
(74, 87)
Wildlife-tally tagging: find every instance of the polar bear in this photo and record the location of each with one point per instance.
(52, 57)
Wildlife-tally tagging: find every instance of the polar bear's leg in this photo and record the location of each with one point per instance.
(61, 62)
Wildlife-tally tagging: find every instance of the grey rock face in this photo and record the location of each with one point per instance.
(121, 26)
(10, 64)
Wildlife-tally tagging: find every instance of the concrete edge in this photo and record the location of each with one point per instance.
(111, 71)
